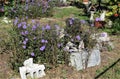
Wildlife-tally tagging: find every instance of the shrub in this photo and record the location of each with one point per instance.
(79, 30)
(41, 43)
(34, 9)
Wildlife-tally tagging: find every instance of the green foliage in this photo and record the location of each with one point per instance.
(112, 73)
(116, 26)
(78, 30)
(31, 9)
(41, 43)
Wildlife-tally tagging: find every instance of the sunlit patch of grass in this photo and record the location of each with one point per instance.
(68, 12)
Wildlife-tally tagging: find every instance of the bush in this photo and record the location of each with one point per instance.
(41, 43)
(79, 30)
(33, 9)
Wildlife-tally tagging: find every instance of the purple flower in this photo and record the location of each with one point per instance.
(26, 32)
(34, 27)
(33, 21)
(22, 33)
(44, 41)
(49, 0)
(34, 38)
(16, 21)
(24, 26)
(47, 27)
(78, 37)
(32, 54)
(43, 28)
(97, 19)
(92, 25)
(27, 1)
(26, 17)
(82, 21)
(103, 34)
(42, 48)
(26, 39)
(24, 23)
(71, 21)
(24, 47)
(57, 27)
(24, 42)
(19, 25)
(59, 45)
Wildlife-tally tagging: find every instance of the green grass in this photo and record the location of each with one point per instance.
(68, 12)
(112, 73)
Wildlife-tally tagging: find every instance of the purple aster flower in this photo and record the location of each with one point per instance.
(65, 49)
(27, 1)
(34, 38)
(46, 41)
(59, 45)
(22, 33)
(26, 32)
(33, 21)
(92, 25)
(2, 9)
(24, 26)
(47, 27)
(57, 27)
(103, 34)
(78, 37)
(26, 39)
(24, 23)
(42, 48)
(97, 19)
(16, 21)
(43, 28)
(49, 0)
(82, 21)
(26, 17)
(24, 42)
(71, 21)
(34, 27)
(42, 41)
(32, 54)
(19, 25)
(24, 47)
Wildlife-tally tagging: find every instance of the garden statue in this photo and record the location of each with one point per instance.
(110, 24)
(31, 68)
(102, 16)
(91, 16)
(87, 3)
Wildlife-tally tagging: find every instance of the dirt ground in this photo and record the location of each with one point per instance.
(66, 72)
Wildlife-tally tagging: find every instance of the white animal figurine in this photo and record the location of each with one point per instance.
(102, 16)
(91, 16)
